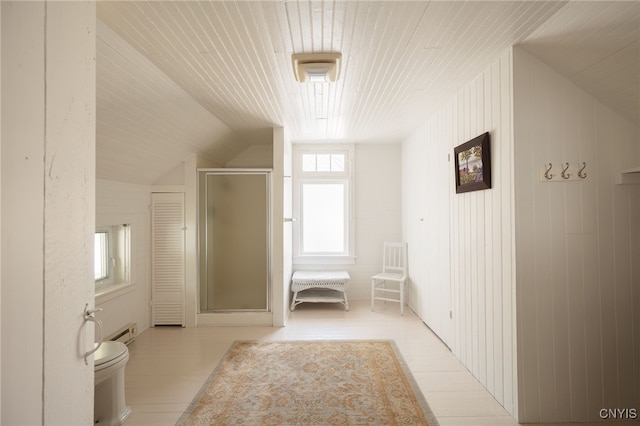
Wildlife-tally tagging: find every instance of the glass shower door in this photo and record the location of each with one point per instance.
(234, 240)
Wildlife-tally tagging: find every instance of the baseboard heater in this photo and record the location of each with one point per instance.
(126, 334)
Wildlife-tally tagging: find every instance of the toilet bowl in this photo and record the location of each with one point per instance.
(109, 402)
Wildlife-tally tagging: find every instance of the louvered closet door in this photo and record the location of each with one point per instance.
(167, 258)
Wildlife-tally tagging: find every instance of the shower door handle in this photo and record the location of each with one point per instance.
(290, 219)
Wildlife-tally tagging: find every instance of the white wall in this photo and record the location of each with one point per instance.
(378, 214)
(281, 231)
(480, 224)
(378, 211)
(48, 173)
(578, 251)
(0, 211)
(22, 256)
(120, 203)
(636, 291)
(426, 192)
(255, 156)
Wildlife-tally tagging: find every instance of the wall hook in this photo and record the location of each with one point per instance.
(564, 173)
(581, 172)
(547, 174)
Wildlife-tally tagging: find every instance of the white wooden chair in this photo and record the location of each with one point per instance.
(394, 270)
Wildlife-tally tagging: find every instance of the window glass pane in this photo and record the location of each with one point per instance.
(323, 162)
(101, 255)
(337, 162)
(308, 162)
(323, 218)
(112, 256)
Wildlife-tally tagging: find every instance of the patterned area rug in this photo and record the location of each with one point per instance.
(310, 383)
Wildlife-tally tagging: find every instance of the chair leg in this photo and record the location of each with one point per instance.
(402, 298)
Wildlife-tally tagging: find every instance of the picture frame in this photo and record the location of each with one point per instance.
(473, 164)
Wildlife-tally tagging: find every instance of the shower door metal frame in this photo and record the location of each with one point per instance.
(231, 171)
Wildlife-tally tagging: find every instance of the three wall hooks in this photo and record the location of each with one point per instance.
(566, 173)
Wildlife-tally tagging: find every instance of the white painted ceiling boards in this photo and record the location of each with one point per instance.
(211, 78)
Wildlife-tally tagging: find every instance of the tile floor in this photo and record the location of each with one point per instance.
(168, 365)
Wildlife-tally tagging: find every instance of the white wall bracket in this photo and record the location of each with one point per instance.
(628, 176)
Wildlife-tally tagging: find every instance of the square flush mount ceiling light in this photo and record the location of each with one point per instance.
(316, 67)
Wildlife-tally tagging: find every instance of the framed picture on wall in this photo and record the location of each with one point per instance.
(473, 164)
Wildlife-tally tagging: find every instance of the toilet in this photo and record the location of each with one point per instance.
(110, 408)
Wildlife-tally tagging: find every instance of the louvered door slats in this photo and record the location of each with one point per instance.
(168, 258)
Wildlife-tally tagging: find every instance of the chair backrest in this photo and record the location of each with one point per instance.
(394, 258)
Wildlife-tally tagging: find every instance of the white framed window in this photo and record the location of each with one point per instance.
(112, 257)
(323, 205)
(102, 252)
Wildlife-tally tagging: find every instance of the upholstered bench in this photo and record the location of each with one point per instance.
(320, 286)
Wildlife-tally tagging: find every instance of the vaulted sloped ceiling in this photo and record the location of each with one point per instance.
(597, 46)
(147, 124)
(225, 74)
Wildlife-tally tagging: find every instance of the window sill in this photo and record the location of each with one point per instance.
(324, 260)
(113, 291)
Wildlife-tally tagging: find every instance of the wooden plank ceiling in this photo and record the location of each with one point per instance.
(401, 61)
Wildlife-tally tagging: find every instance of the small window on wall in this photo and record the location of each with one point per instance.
(112, 257)
(102, 255)
(327, 163)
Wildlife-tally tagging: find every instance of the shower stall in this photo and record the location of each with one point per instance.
(234, 240)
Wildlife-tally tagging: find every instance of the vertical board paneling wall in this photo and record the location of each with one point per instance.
(578, 250)
(574, 247)
(47, 217)
(480, 251)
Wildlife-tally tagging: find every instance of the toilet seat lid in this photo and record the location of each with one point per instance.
(109, 351)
